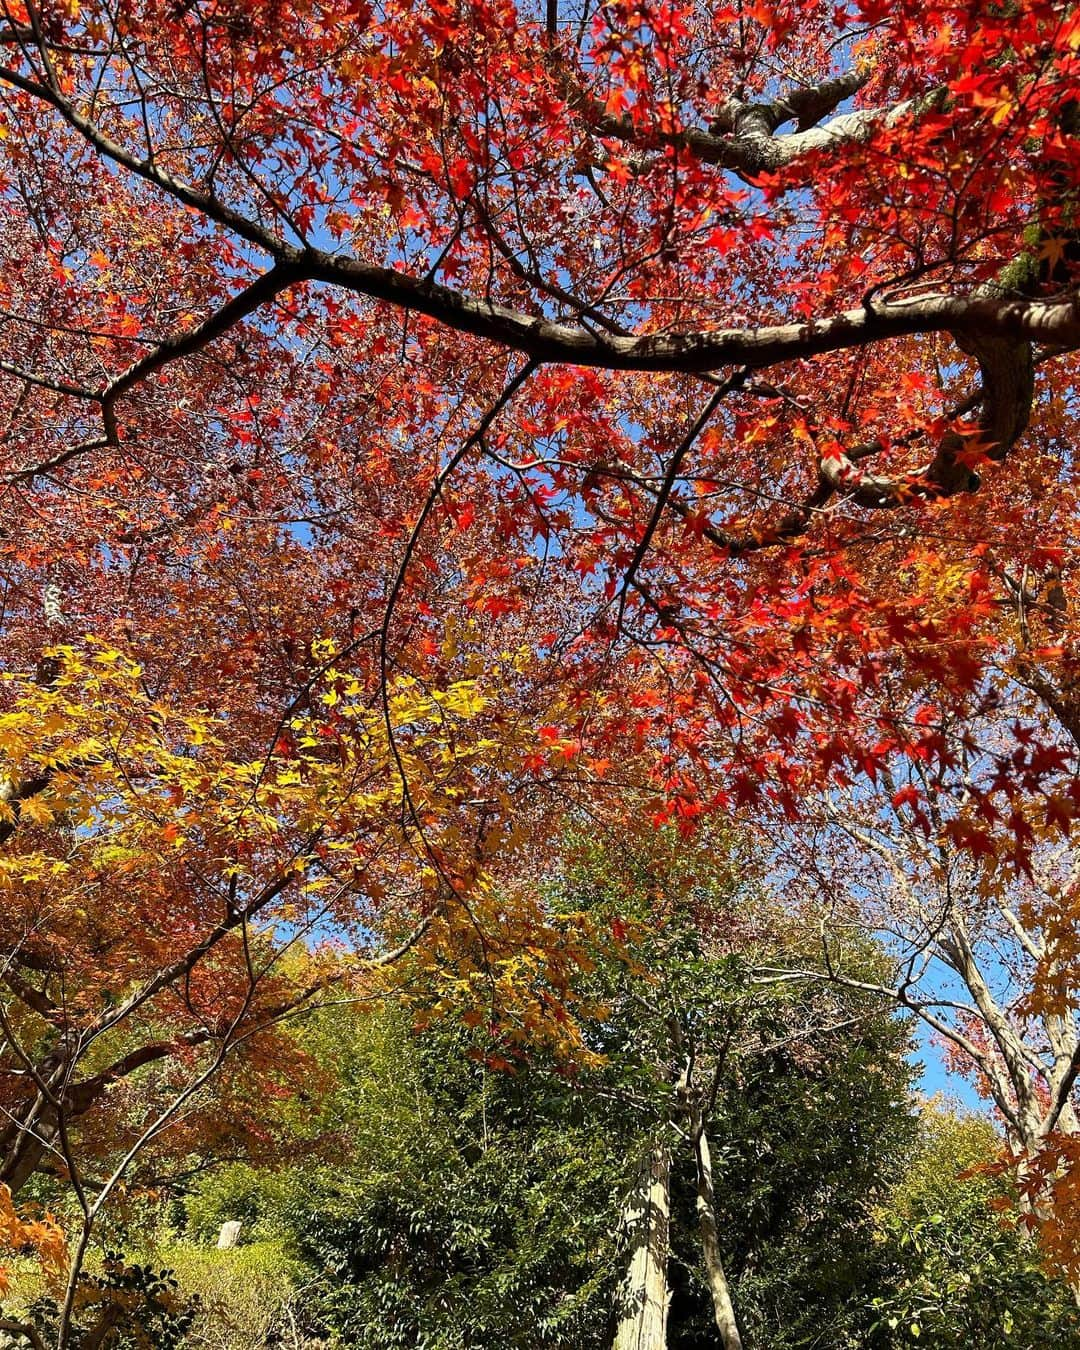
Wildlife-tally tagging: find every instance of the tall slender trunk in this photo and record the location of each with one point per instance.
(643, 1298)
(723, 1310)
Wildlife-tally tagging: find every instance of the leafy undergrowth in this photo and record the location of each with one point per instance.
(244, 1299)
(251, 1296)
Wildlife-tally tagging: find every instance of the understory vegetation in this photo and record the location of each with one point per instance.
(441, 1188)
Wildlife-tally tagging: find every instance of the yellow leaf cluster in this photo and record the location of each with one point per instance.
(41, 1235)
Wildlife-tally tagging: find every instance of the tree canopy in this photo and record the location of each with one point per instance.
(423, 424)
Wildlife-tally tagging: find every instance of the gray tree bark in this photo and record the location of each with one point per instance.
(723, 1309)
(643, 1297)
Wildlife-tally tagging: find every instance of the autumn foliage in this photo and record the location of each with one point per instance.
(421, 422)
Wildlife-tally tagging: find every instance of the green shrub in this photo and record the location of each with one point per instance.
(255, 1196)
(251, 1297)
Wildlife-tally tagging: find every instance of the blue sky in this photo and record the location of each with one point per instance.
(936, 1078)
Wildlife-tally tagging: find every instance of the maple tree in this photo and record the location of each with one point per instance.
(985, 956)
(444, 413)
(436, 190)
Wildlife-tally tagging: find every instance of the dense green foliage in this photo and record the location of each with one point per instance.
(482, 1208)
(441, 1200)
(472, 1207)
(477, 1209)
(954, 1273)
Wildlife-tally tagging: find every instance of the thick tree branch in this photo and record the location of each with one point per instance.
(978, 317)
(741, 135)
(1029, 320)
(24, 1329)
(260, 292)
(1061, 1093)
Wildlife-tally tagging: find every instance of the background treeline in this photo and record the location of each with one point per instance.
(443, 1189)
(479, 1209)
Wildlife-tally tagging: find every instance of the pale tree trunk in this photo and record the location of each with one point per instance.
(723, 1310)
(643, 1298)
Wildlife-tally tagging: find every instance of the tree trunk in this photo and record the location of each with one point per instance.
(643, 1299)
(723, 1310)
(25, 1141)
(25, 1159)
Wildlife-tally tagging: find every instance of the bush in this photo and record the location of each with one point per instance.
(251, 1297)
(255, 1196)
